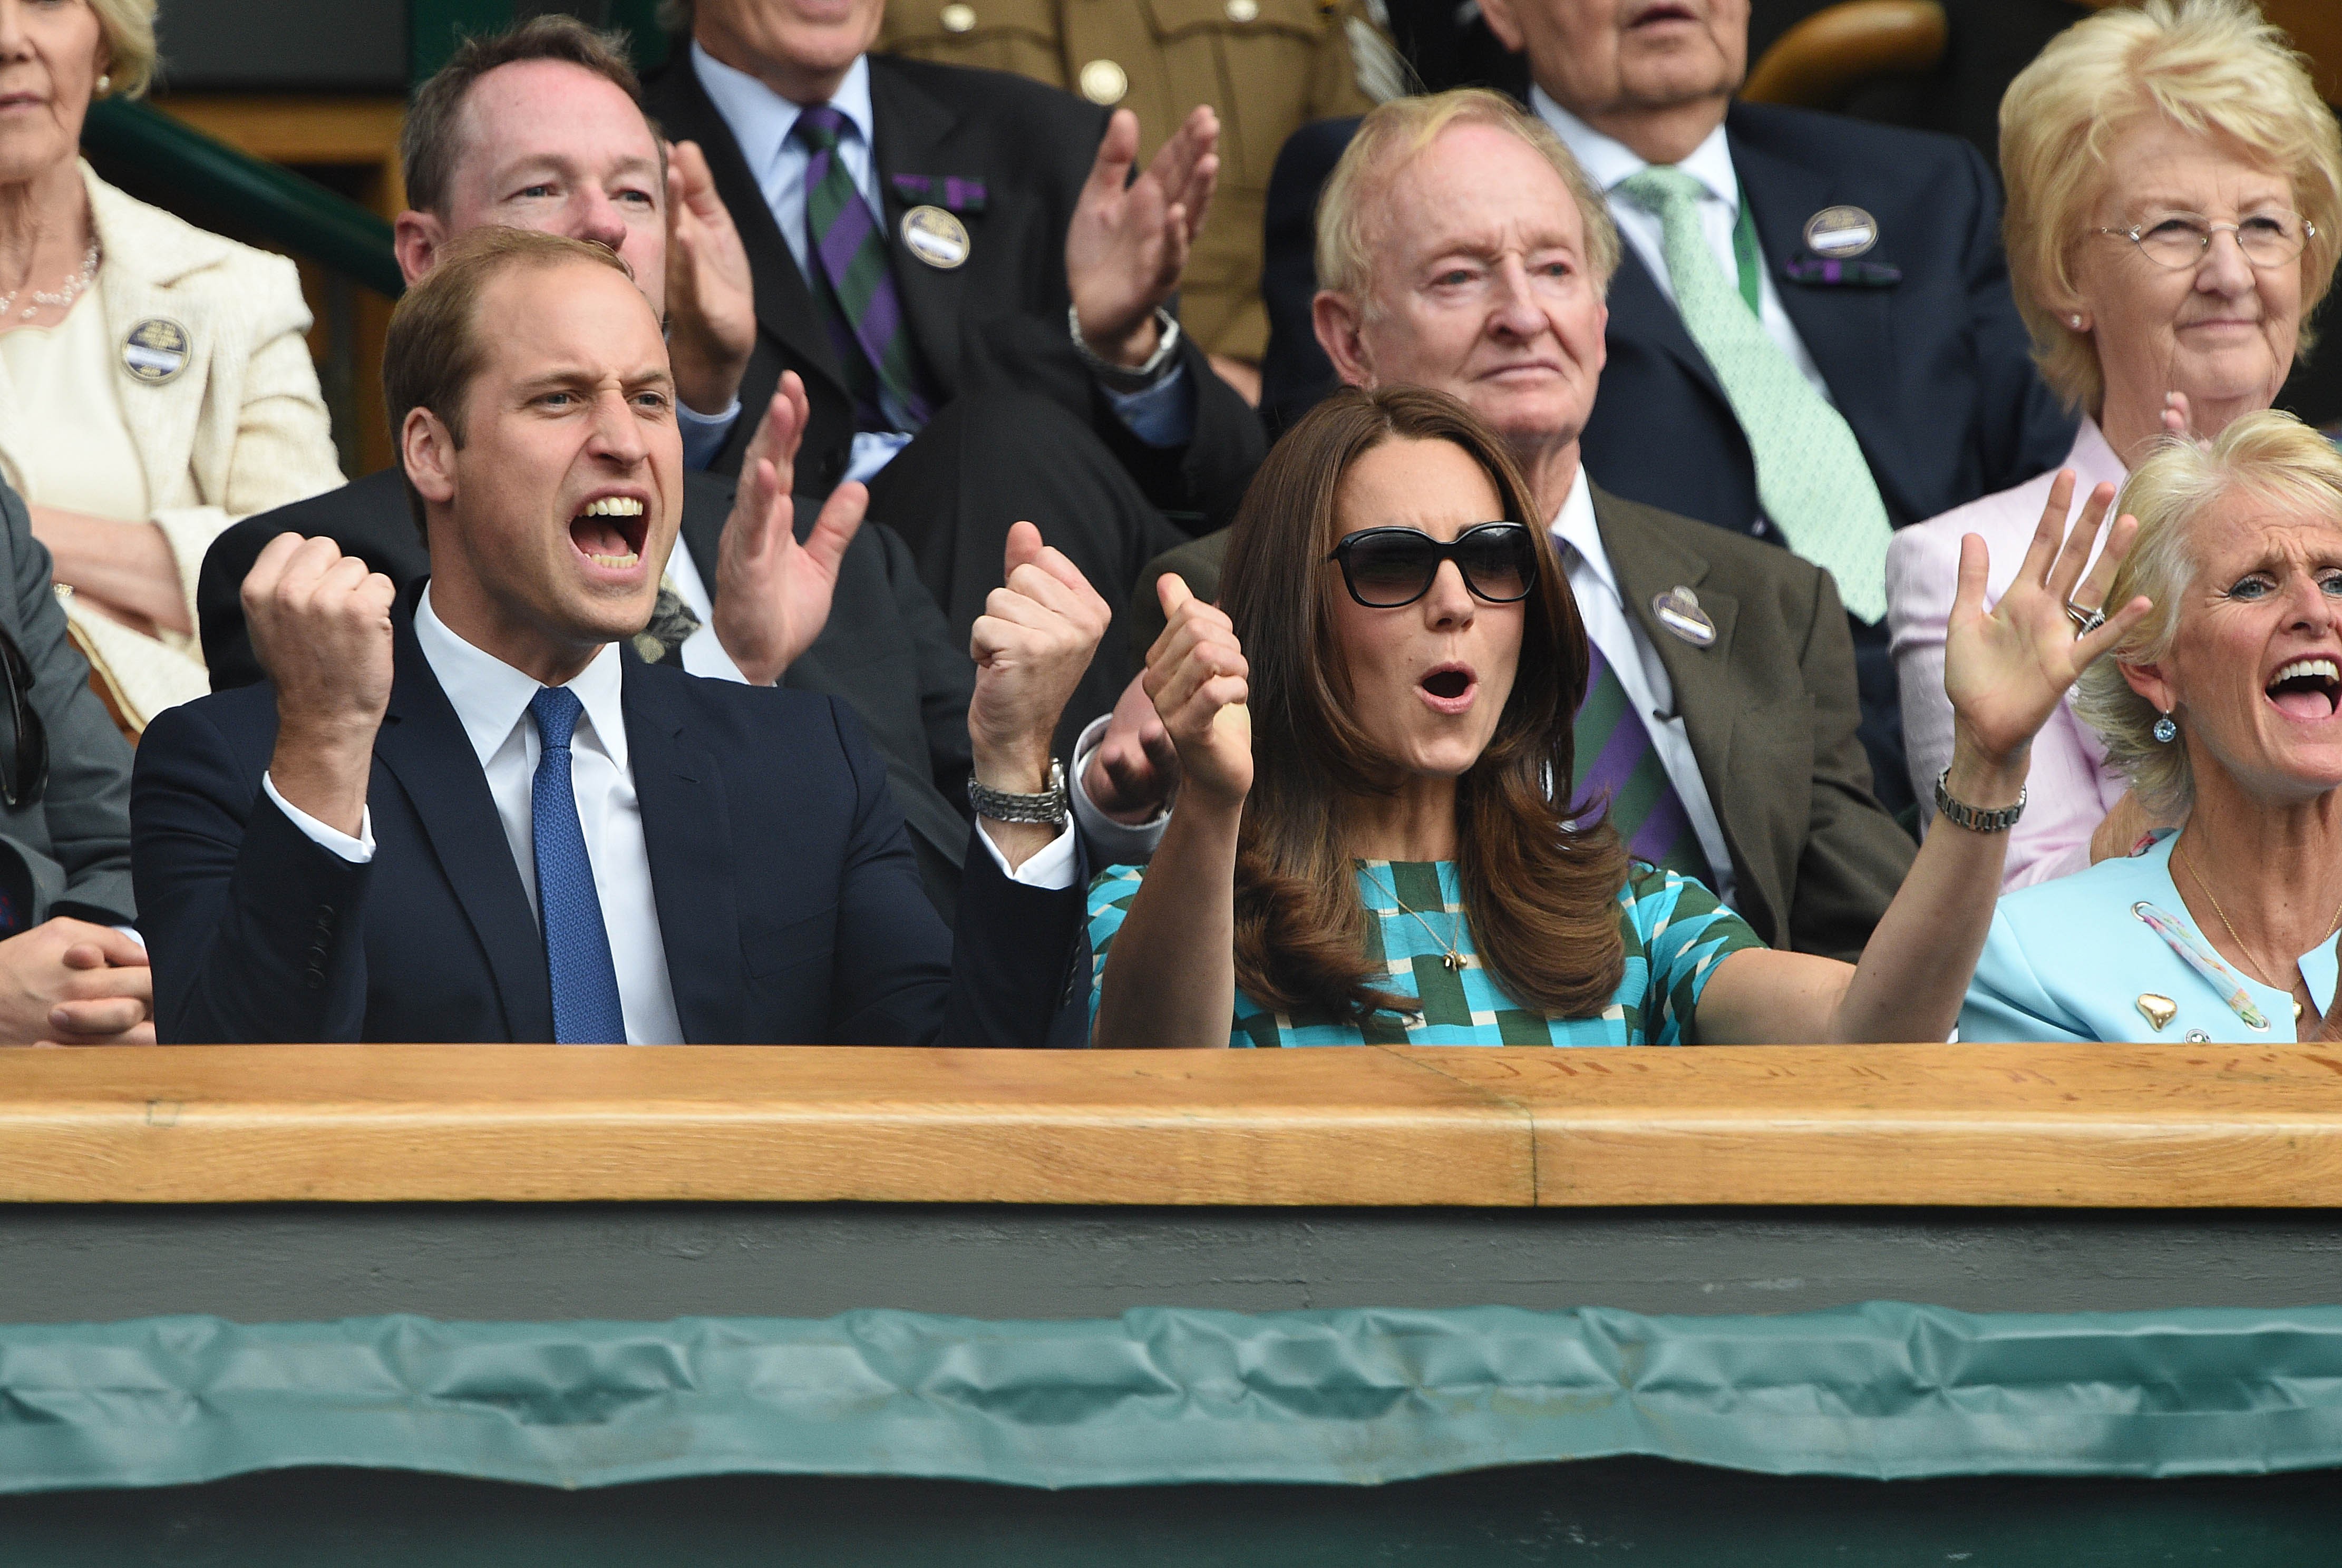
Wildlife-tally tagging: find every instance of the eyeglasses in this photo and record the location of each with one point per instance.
(2178, 240)
(1385, 568)
(23, 739)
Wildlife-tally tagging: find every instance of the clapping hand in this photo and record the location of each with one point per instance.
(710, 295)
(1195, 674)
(772, 593)
(2006, 669)
(1129, 239)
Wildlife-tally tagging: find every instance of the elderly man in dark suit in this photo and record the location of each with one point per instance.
(975, 286)
(70, 971)
(1465, 250)
(471, 811)
(538, 127)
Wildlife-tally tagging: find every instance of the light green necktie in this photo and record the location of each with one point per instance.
(1810, 472)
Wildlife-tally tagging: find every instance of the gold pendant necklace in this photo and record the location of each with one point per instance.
(1452, 961)
(2250, 962)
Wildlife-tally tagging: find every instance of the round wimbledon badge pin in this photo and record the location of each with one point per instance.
(1837, 233)
(936, 236)
(155, 350)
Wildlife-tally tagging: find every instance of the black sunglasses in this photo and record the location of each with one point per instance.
(23, 739)
(1385, 568)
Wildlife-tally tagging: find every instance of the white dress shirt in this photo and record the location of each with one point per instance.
(703, 654)
(1610, 164)
(762, 120)
(1637, 664)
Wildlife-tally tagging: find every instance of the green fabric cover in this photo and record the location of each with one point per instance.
(1884, 1389)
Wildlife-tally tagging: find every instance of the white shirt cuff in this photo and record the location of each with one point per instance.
(1114, 842)
(704, 433)
(357, 851)
(1050, 867)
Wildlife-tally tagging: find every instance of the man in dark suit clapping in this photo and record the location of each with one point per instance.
(471, 812)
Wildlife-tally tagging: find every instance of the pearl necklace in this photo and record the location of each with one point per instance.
(64, 297)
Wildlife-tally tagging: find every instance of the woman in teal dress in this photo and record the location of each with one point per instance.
(1365, 846)
(2220, 709)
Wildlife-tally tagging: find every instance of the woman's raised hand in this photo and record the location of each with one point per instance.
(2006, 669)
(1195, 677)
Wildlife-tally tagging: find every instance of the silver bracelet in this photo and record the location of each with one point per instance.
(1127, 377)
(1048, 806)
(1974, 818)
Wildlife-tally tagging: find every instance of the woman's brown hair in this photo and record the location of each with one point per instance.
(1540, 895)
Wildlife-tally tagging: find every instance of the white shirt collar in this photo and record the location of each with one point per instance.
(1574, 526)
(761, 119)
(491, 698)
(1610, 162)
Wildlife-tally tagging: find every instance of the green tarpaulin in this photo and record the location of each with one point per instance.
(1884, 1389)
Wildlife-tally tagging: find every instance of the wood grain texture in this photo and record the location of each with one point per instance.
(2084, 1126)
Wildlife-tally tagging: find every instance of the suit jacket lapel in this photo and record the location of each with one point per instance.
(1846, 330)
(1641, 313)
(687, 833)
(784, 306)
(134, 286)
(423, 743)
(914, 136)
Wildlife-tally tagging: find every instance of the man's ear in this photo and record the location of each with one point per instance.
(1339, 322)
(1498, 14)
(416, 239)
(426, 449)
(2151, 681)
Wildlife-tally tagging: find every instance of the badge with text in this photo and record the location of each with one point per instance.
(1838, 233)
(1678, 611)
(936, 236)
(157, 350)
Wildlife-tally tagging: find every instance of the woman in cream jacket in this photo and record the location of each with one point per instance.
(155, 383)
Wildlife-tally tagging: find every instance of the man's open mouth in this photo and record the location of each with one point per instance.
(609, 531)
(2306, 688)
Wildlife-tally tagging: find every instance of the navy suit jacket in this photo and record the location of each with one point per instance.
(1931, 368)
(789, 897)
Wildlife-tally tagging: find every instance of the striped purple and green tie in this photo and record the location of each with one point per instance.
(1616, 763)
(854, 285)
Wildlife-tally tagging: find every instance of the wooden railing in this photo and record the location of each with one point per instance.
(2085, 1126)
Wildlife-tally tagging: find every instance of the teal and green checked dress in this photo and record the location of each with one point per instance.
(1674, 930)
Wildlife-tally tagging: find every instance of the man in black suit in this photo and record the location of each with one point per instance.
(1028, 364)
(539, 128)
(351, 852)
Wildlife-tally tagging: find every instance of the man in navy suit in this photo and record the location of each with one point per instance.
(471, 812)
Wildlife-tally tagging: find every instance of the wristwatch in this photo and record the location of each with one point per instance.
(1974, 818)
(1127, 377)
(1049, 806)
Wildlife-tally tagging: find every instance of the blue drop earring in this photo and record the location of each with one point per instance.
(2164, 730)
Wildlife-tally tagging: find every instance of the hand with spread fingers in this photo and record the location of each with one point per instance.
(1129, 239)
(1195, 674)
(2006, 669)
(773, 592)
(711, 301)
(1031, 645)
(320, 625)
(1135, 768)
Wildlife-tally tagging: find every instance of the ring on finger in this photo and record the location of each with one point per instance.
(2085, 620)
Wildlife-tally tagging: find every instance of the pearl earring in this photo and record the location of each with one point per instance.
(104, 82)
(2076, 322)
(2165, 729)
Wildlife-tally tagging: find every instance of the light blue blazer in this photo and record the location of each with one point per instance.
(2071, 959)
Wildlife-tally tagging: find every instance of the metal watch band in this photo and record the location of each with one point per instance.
(1128, 377)
(1048, 806)
(1976, 820)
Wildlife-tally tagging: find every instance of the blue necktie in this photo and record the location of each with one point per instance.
(586, 1009)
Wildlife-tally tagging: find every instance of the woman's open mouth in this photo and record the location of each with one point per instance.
(1450, 688)
(2306, 688)
(609, 531)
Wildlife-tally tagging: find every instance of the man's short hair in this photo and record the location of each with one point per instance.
(433, 348)
(1392, 135)
(428, 146)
